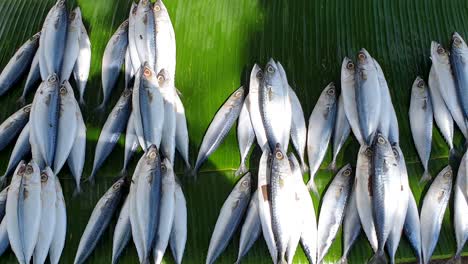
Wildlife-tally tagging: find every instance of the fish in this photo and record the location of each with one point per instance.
(460, 204)
(99, 220)
(364, 194)
(166, 214)
(386, 184)
(433, 210)
(132, 49)
(21, 149)
(13, 125)
(181, 136)
(282, 196)
(67, 126)
(165, 40)
(421, 116)
(340, 132)
(402, 201)
(23, 210)
(446, 83)
(368, 96)
(412, 227)
(3, 200)
(34, 76)
(145, 201)
(321, 123)
(122, 231)
(72, 45)
(35, 152)
(112, 60)
(348, 90)
(145, 32)
(458, 59)
(131, 143)
(256, 76)
(351, 225)
(60, 230)
(220, 126)
(298, 128)
(45, 119)
(178, 236)
(229, 218)
(113, 127)
(19, 63)
(47, 222)
(442, 116)
(148, 108)
(53, 40)
(275, 106)
(77, 156)
(168, 143)
(245, 136)
(4, 241)
(264, 202)
(333, 209)
(251, 228)
(83, 63)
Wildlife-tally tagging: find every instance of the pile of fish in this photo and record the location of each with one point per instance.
(154, 212)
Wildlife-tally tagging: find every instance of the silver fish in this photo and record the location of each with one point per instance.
(145, 202)
(148, 108)
(13, 125)
(245, 135)
(145, 33)
(282, 196)
(18, 64)
(460, 204)
(35, 152)
(60, 230)
(45, 119)
(178, 236)
(131, 143)
(72, 45)
(321, 123)
(48, 217)
(83, 62)
(229, 218)
(113, 59)
(333, 210)
(275, 106)
(421, 116)
(165, 40)
(368, 96)
(77, 156)
(132, 49)
(4, 241)
(99, 220)
(386, 184)
(166, 214)
(34, 76)
(111, 130)
(181, 137)
(67, 126)
(256, 76)
(251, 229)
(348, 89)
(122, 231)
(364, 174)
(23, 210)
(458, 59)
(412, 227)
(442, 115)
(298, 128)
(3, 200)
(351, 225)
(341, 131)
(53, 41)
(220, 126)
(433, 210)
(168, 143)
(446, 83)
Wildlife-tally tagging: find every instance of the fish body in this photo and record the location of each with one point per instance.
(122, 231)
(34, 76)
(412, 227)
(77, 156)
(245, 135)
(340, 132)
(3, 200)
(351, 225)
(60, 230)
(131, 142)
(298, 128)
(165, 40)
(459, 59)
(13, 125)
(251, 229)
(178, 236)
(83, 62)
(21, 149)
(72, 45)
(461, 205)
(256, 76)
(168, 141)
(4, 241)
(181, 134)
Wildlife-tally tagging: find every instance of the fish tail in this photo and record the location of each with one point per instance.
(332, 166)
(312, 187)
(426, 177)
(242, 170)
(281, 259)
(343, 260)
(455, 259)
(123, 172)
(304, 167)
(82, 101)
(77, 191)
(453, 154)
(100, 108)
(90, 179)
(21, 100)
(378, 258)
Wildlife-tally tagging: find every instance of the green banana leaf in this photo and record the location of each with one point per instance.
(218, 41)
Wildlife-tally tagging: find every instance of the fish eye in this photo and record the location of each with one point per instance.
(362, 56)
(29, 169)
(260, 75)
(440, 50)
(125, 23)
(237, 94)
(161, 78)
(395, 153)
(61, 2)
(331, 91)
(350, 66)
(157, 8)
(127, 92)
(52, 78)
(63, 90)
(279, 155)
(270, 69)
(347, 172)
(163, 167)
(134, 10)
(147, 72)
(116, 185)
(381, 140)
(421, 84)
(22, 169)
(448, 174)
(152, 155)
(368, 152)
(72, 15)
(245, 184)
(44, 177)
(457, 40)
(27, 109)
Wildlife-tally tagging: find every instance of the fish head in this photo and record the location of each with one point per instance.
(160, 10)
(163, 78)
(273, 80)
(118, 185)
(134, 8)
(245, 183)
(21, 168)
(148, 74)
(419, 88)
(35, 37)
(152, 155)
(236, 98)
(124, 26)
(75, 16)
(458, 44)
(347, 170)
(166, 166)
(329, 94)
(256, 76)
(127, 93)
(365, 61)
(447, 174)
(347, 69)
(61, 3)
(63, 91)
(439, 54)
(31, 170)
(52, 79)
(47, 175)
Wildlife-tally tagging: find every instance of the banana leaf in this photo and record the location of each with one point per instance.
(217, 44)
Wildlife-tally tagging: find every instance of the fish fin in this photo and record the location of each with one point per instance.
(242, 170)
(312, 187)
(378, 258)
(426, 177)
(343, 260)
(21, 100)
(332, 166)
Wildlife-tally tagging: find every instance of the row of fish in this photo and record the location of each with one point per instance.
(153, 214)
